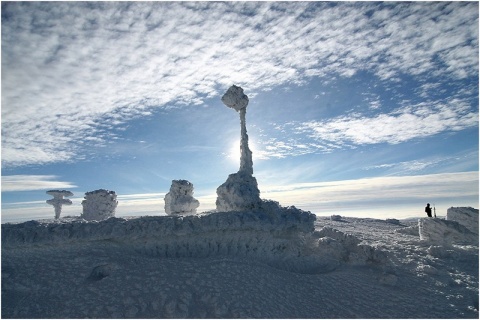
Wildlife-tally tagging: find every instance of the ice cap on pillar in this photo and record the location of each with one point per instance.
(235, 98)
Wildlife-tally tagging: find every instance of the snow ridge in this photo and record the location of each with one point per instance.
(281, 237)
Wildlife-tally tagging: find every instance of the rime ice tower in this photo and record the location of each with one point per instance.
(240, 191)
(179, 200)
(58, 200)
(99, 205)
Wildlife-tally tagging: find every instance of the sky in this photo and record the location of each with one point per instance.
(363, 109)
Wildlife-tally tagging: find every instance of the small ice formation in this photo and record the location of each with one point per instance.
(445, 232)
(99, 205)
(466, 216)
(240, 191)
(58, 200)
(179, 200)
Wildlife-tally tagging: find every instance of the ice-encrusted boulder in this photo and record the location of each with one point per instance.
(58, 201)
(240, 191)
(466, 216)
(99, 205)
(179, 200)
(445, 232)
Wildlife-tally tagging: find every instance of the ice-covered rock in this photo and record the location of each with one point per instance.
(240, 191)
(335, 217)
(58, 200)
(179, 200)
(99, 205)
(445, 232)
(235, 98)
(466, 216)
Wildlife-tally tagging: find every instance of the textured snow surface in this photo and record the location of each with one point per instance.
(179, 200)
(272, 263)
(466, 216)
(460, 226)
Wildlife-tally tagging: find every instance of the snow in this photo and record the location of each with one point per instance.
(99, 204)
(272, 262)
(58, 201)
(240, 192)
(179, 200)
(468, 217)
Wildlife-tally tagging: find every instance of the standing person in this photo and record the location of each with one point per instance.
(428, 210)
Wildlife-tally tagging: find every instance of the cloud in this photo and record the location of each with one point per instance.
(412, 121)
(450, 189)
(33, 182)
(72, 71)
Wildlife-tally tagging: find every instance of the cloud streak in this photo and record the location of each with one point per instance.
(33, 182)
(413, 121)
(73, 71)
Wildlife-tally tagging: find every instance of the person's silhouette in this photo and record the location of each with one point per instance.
(428, 210)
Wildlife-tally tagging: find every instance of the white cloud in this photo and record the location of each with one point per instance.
(33, 182)
(450, 189)
(67, 67)
(408, 122)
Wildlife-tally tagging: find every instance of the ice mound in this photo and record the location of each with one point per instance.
(445, 232)
(466, 216)
(58, 201)
(281, 237)
(99, 205)
(179, 200)
(240, 192)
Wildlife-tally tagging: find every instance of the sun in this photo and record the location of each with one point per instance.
(234, 152)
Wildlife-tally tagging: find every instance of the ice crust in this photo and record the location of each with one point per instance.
(179, 200)
(281, 237)
(240, 192)
(99, 205)
(466, 216)
(460, 227)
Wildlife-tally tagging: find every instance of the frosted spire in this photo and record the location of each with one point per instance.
(235, 98)
(57, 202)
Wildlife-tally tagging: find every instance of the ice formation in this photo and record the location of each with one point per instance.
(58, 200)
(445, 232)
(179, 200)
(240, 191)
(99, 205)
(466, 216)
(281, 237)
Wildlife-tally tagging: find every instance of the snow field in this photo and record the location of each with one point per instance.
(278, 263)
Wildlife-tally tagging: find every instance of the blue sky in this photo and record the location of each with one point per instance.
(356, 108)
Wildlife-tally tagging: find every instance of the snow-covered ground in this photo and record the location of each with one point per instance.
(274, 263)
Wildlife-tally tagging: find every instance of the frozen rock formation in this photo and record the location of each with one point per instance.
(99, 205)
(240, 191)
(58, 200)
(466, 216)
(445, 232)
(179, 200)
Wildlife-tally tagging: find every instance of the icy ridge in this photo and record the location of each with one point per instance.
(281, 237)
(280, 220)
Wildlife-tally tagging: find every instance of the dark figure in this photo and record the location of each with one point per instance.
(428, 210)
